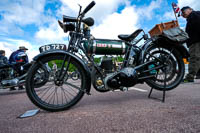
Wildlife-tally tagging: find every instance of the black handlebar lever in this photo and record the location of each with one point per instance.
(88, 7)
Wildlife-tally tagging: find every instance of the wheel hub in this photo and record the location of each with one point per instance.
(58, 82)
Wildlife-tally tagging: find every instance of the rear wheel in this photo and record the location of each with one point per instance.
(169, 76)
(47, 92)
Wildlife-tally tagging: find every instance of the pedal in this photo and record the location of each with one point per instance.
(124, 89)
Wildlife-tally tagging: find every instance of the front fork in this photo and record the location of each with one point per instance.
(72, 42)
(61, 74)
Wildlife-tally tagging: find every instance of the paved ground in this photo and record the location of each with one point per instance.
(112, 112)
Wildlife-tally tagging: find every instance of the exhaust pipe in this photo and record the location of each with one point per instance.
(13, 82)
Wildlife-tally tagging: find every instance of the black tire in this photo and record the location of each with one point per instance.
(60, 92)
(176, 68)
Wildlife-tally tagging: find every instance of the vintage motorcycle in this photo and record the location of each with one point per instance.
(158, 62)
(9, 75)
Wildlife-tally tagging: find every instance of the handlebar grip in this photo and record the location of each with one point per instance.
(89, 7)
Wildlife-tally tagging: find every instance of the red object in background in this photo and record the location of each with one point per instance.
(176, 8)
(19, 60)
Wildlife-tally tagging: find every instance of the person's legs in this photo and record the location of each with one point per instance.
(194, 62)
(12, 88)
(197, 58)
(198, 75)
(21, 87)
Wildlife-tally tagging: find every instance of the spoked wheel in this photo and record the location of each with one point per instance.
(170, 74)
(47, 91)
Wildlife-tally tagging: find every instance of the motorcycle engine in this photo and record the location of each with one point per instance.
(106, 67)
(107, 64)
(4, 74)
(114, 78)
(126, 77)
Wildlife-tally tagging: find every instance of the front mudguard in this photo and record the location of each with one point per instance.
(76, 58)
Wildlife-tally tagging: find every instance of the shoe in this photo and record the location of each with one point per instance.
(20, 88)
(12, 88)
(188, 80)
(197, 77)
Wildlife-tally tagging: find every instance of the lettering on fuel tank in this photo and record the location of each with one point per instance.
(103, 45)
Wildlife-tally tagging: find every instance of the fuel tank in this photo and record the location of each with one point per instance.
(105, 47)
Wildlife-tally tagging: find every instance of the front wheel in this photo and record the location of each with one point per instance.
(171, 74)
(47, 91)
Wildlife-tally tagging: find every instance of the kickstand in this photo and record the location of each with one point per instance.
(163, 98)
(164, 90)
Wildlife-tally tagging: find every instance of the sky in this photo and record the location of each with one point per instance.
(33, 23)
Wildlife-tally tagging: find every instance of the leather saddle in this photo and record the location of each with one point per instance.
(130, 37)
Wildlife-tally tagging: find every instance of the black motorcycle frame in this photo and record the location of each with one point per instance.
(73, 25)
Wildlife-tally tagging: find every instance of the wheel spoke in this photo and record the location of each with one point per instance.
(68, 92)
(43, 89)
(72, 89)
(64, 93)
(73, 86)
(49, 96)
(46, 92)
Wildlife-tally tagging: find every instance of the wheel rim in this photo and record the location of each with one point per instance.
(171, 70)
(54, 95)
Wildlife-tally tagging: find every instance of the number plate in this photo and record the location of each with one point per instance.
(50, 47)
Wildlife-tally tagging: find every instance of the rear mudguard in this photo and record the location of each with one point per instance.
(76, 58)
(165, 42)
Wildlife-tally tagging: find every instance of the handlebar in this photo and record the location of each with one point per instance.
(89, 7)
(71, 27)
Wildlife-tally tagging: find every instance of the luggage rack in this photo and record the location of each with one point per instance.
(159, 28)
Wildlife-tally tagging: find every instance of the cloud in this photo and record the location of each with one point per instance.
(7, 28)
(11, 45)
(108, 22)
(147, 12)
(23, 12)
(125, 22)
(168, 16)
(192, 3)
(16, 14)
(51, 34)
(102, 8)
(117, 23)
(7, 47)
